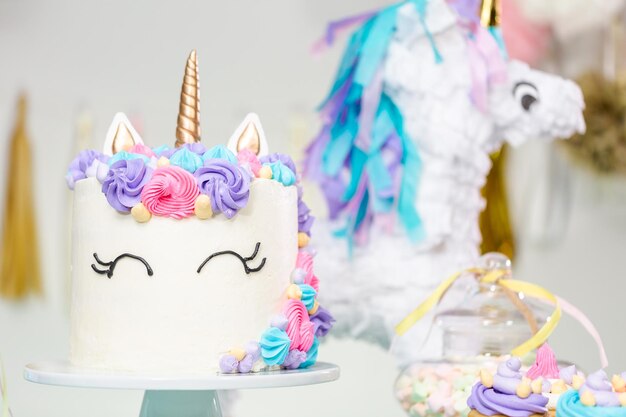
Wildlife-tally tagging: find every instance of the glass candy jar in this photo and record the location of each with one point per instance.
(476, 332)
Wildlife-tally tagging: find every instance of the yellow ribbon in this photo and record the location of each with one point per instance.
(496, 277)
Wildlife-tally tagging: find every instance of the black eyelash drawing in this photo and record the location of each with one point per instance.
(111, 265)
(243, 260)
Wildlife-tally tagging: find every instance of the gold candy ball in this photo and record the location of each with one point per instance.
(303, 239)
(140, 213)
(163, 162)
(239, 353)
(294, 292)
(314, 309)
(202, 207)
(265, 172)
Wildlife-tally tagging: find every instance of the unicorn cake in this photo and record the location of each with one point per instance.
(188, 259)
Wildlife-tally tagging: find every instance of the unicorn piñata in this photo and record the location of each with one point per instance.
(422, 97)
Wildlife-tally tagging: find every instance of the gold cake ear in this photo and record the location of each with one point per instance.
(121, 136)
(249, 135)
(188, 123)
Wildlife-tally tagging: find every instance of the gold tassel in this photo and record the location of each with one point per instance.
(489, 13)
(188, 123)
(495, 223)
(19, 264)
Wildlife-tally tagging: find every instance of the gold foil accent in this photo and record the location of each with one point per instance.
(250, 139)
(495, 223)
(188, 123)
(490, 13)
(20, 272)
(123, 139)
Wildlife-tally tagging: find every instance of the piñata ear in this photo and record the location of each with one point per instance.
(249, 135)
(121, 136)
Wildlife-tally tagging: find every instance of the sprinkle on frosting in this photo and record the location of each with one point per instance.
(124, 183)
(226, 184)
(171, 192)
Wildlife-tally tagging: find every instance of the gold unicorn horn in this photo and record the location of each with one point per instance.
(188, 124)
(490, 13)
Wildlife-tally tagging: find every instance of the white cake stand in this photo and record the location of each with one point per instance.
(176, 395)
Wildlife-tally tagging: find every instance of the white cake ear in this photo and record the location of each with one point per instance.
(121, 136)
(249, 135)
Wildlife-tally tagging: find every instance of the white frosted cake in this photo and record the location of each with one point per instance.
(191, 259)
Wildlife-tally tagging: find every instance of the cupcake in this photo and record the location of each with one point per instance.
(597, 397)
(548, 380)
(507, 393)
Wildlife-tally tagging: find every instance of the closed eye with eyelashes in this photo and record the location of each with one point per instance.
(244, 260)
(109, 267)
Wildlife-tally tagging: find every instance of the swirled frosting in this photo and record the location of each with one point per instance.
(294, 359)
(171, 192)
(226, 184)
(599, 385)
(323, 321)
(275, 345)
(187, 160)
(279, 157)
(488, 401)
(304, 261)
(305, 220)
(80, 166)
(220, 152)
(502, 397)
(228, 364)
(282, 173)
(124, 183)
(311, 355)
(308, 296)
(126, 156)
(545, 364)
(196, 148)
(508, 376)
(142, 149)
(299, 328)
(249, 160)
(569, 405)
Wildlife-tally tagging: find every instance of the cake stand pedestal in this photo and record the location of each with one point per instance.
(176, 395)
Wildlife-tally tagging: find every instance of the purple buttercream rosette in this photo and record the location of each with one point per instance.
(79, 166)
(226, 184)
(124, 183)
(323, 321)
(279, 157)
(305, 220)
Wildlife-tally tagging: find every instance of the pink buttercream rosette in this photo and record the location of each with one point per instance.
(304, 261)
(248, 158)
(171, 192)
(300, 330)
